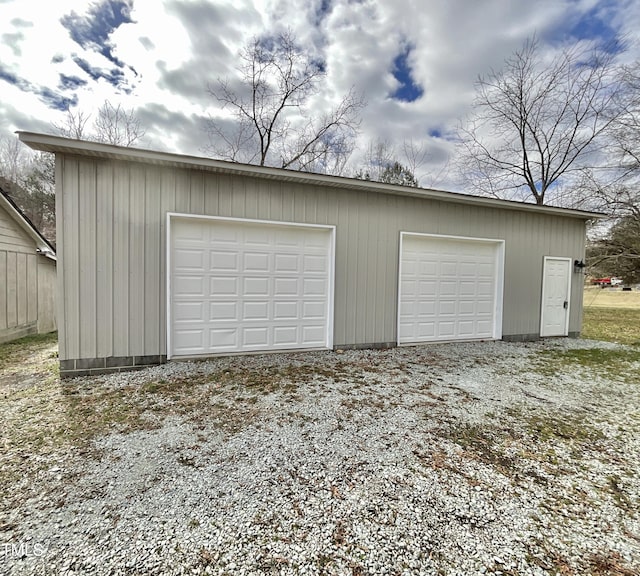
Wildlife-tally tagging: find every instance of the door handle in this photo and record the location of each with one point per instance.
(565, 305)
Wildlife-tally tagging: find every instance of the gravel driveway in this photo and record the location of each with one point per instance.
(476, 458)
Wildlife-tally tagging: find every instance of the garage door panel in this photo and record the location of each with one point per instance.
(189, 234)
(427, 289)
(425, 330)
(285, 310)
(425, 307)
(264, 286)
(190, 285)
(313, 335)
(188, 311)
(255, 236)
(466, 307)
(409, 288)
(286, 286)
(449, 269)
(224, 233)
(287, 263)
(190, 260)
(187, 339)
(316, 240)
(285, 335)
(317, 264)
(223, 311)
(314, 287)
(485, 289)
(223, 261)
(467, 288)
(255, 262)
(255, 286)
(314, 310)
(466, 329)
(447, 288)
(255, 311)
(222, 338)
(428, 268)
(467, 269)
(446, 329)
(220, 286)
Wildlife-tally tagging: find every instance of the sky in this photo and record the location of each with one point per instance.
(414, 61)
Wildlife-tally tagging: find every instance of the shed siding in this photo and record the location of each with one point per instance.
(12, 237)
(113, 232)
(27, 283)
(46, 295)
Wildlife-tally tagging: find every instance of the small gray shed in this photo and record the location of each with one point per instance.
(27, 274)
(168, 256)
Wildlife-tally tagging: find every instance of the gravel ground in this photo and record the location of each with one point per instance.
(476, 458)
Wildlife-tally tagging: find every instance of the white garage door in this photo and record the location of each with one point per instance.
(238, 286)
(449, 289)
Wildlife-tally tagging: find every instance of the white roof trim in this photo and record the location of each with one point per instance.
(58, 144)
(42, 246)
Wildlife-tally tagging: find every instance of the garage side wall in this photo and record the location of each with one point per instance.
(112, 252)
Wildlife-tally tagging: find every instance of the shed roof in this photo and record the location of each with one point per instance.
(49, 143)
(42, 244)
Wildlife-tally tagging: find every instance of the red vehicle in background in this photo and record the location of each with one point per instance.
(609, 281)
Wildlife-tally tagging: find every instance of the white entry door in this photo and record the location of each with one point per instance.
(240, 286)
(556, 288)
(449, 289)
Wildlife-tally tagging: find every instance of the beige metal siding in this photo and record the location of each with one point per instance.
(46, 295)
(12, 237)
(113, 249)
(26, 291)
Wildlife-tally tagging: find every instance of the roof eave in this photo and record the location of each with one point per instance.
(58, 144)
(42, 244)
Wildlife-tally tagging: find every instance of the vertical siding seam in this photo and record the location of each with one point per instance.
(113, 257)
(95, 259)
(128, 224)
(76, 225)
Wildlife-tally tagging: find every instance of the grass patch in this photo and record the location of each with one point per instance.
(14, 354)
(619, 365)
(561, 427)
(481, 442)
(607, 298)
(620, 325)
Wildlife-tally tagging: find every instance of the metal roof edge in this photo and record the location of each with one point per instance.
(59, 144)
(44, 247)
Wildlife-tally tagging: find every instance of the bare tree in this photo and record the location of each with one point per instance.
(117, 125)
(415, 155)
(74, 125)
(113, 124)
(382, 164)
(627, 125)
(15, 158)
(273, 123)
(538, 122)
(379, 155)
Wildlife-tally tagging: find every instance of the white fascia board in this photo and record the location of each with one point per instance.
(58, 144)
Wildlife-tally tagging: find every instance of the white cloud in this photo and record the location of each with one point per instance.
(176, 47)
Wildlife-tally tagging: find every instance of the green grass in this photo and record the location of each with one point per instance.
(619, 365)
(16, 352)
(620, 325)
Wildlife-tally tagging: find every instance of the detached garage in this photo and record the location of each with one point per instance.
(165, 256)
